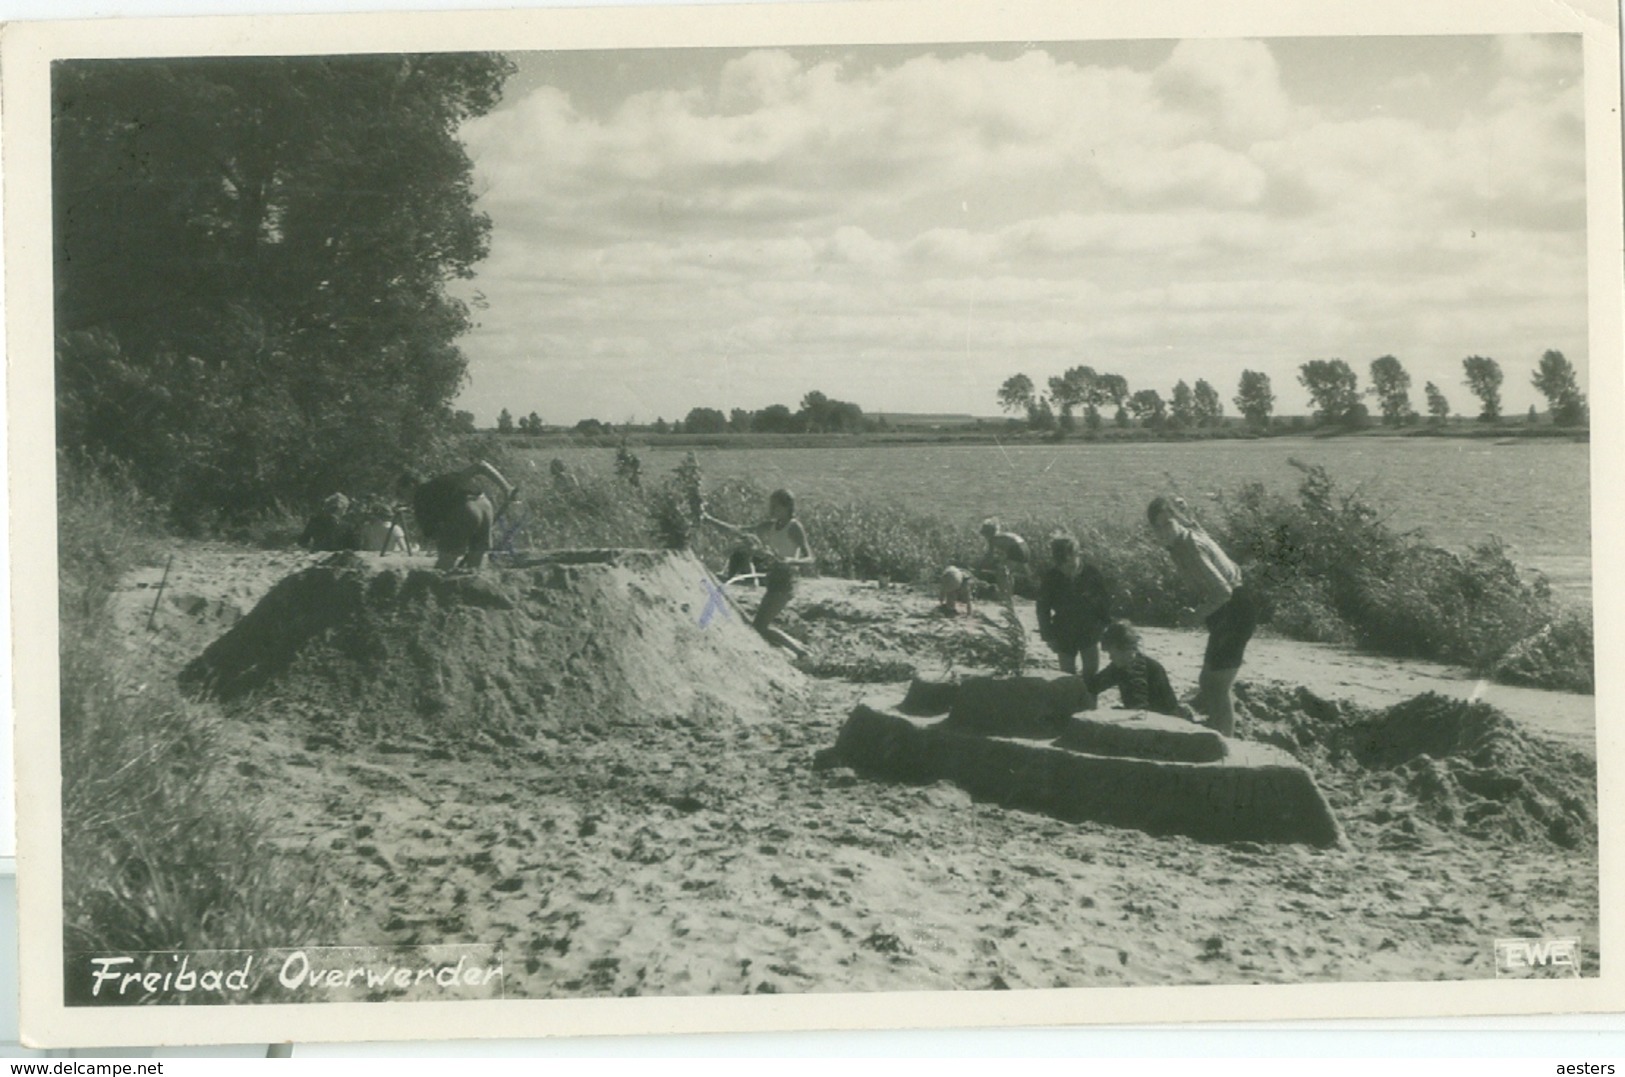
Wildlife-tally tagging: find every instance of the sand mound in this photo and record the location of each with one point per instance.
(576, 640)
(1433, 761)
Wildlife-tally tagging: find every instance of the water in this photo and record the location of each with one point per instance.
(1534, 495)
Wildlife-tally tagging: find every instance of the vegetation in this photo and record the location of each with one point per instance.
(1391, 385)
(159, 852)
(1438, 406)
(1334, 387)
(252, 259)
(1484, 379)
(1556, 382)
(1325, 564)
(1254, 399)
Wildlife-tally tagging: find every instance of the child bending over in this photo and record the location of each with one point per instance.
(1141, 681)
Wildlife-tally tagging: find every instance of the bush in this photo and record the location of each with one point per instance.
(1327, 567)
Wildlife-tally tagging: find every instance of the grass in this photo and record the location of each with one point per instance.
(159, 852)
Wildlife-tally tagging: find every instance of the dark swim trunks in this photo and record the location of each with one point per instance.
(1229, 628)
(780, 577)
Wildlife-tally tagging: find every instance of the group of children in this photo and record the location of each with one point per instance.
(1073, 601)
(1074, 613)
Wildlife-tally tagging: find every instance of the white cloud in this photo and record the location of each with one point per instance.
(830, 220)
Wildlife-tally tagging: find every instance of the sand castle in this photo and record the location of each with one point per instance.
(1019, 741)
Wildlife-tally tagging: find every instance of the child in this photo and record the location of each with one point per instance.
(1074, 605)
(327, 531)
(379, 532)
(454, 513)
(954, 586)
(1226, 607)
(1141, 681)
(1005, 558)
(782, 543)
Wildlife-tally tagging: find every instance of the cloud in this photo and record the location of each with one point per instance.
(838, 220)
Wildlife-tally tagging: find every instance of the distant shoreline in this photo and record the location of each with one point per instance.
(989, 434)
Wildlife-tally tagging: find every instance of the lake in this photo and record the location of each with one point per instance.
(1534, 494)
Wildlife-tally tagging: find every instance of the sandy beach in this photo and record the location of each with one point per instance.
(702, 852)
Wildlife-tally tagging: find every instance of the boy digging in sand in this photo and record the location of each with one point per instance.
(781, 542)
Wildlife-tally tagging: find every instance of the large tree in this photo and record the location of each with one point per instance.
(1254, 399)
(1333, 387)
(1484, 379)
(252, 260)
(1556, 381)
(1391, 385)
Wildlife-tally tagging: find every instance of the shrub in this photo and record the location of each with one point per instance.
(1328, 567)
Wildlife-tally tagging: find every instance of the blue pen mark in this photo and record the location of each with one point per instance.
(508, 527)
(715, 603)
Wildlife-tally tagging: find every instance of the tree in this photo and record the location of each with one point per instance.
(1208, 407)
(1183, 405)
(1556, 381)
(1484, 379)
(1148, 407)
(820, 414)
(773, 419)
(1391, 385)
(1016, 394)
(1254, 399)
(705, 421)
(1071, 390)
(267, 245)
(532, 425)
(1438, 406)
(1333, 387)
(1110, 389)
(504, 422)
(739, 421)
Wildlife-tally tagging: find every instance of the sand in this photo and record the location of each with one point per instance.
(696, 849)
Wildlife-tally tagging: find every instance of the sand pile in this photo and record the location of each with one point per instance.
(574, 641)
(1432, 761)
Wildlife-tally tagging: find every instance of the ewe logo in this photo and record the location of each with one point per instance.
(1537, 958)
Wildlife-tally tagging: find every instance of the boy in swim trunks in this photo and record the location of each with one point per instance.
(781, 542)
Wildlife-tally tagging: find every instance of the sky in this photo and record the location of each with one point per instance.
(906, 227)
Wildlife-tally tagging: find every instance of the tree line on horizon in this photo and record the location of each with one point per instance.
(1332, 384)
(818, 414)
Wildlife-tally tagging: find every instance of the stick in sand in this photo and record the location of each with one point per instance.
(160, 597)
